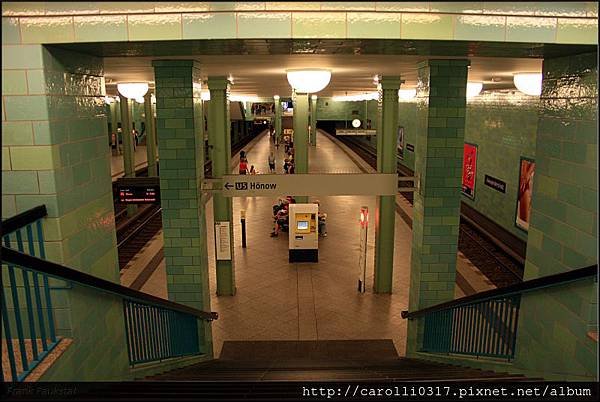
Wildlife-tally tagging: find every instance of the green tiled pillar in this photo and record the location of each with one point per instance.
(301, 137)
(278, 131)
(180, 138)
(150, 135)
(219, 139)
(385, 214)
(113, 121)
(128, 151)
(54, 152)
(313, 120)
(553, 325)
(441, 104)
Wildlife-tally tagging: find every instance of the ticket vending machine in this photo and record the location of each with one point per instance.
(304, 233)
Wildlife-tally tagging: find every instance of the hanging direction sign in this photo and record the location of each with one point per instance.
(138, 190)
(310, 184)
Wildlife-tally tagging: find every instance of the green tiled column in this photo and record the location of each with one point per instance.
(150, 135)
(313, 120)
(301, 137)
(441, 104)
(180, 138)
(128, 151)
(219, 139)
(385, 214)
(563, 231)
(113, 121)
(55, 153)
(278, 117)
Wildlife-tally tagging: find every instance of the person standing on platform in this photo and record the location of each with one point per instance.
(271, 162)
(252, 170)
(243, 166)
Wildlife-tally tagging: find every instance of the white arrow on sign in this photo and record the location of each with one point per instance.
(310, 184)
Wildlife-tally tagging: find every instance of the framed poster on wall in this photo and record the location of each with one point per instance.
(400, 143)
(523, 214)
(469, 171)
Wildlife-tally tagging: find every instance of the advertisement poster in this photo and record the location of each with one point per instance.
(400, 143)
(526, 172)
(469, 170)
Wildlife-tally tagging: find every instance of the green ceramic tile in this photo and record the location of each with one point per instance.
(26, 201)
(236, 5)
(293, 6)
(348, 5)
(6, 158)
(14, 82)
(374, 25)
(412, 6)
(209, 26)
(475, 7)
(265, 25)
(104, 28)
(25, 108)
(21, 57)
(318, 25)
(509, 8)
(24, 182)
(479, 27)
(71, 7)
(426, 26)
(9, 206)
(125, 7)
(34, 157)
(154, 27)
(10, 31)
(561, 9)
(47, 30)
(17, 133)
(36, 82)
(577, 30)
(592, 9)
(23, 8)
(181, 7)
(530, 29)
(50, 132)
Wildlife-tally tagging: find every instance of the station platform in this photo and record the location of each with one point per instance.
(278, 300)
(116, 162)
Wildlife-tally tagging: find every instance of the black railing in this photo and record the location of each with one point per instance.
(485, 324)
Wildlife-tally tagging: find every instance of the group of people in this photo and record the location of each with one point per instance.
(281, 217)
(116, 141)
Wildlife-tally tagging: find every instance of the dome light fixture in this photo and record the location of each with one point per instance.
(140, 99)
(528, 83)
(406, 94)
(474, 88)
(133, 90)
(308, 81)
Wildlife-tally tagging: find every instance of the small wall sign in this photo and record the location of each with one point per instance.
(410, 147)
(494, 183)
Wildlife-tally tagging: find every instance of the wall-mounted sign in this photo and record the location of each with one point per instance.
(410, 147)
(355, 132)
(138, 190)
(469, 170)
(222, 241)
(527, 170)
(494, 183)
(400, 143)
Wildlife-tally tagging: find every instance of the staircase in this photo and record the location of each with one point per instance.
(264, 370)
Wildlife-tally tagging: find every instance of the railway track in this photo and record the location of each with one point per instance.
(484, 252)
(134, 232)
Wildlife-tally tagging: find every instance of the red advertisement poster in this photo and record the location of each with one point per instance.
(469, 170)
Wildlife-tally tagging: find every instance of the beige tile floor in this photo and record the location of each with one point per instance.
(276, 300)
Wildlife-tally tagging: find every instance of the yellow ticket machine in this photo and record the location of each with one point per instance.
(304, 233)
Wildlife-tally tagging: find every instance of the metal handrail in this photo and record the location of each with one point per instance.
(23, 219)
(519, 288)
(61, 272)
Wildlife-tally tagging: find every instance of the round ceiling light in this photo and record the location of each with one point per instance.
(474, 88)
(406, 94)
(139, 100)
(356, 123)
(133, 90)
(308, 81)
(528, 83)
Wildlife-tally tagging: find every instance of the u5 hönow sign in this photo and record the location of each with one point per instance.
(310, 184)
